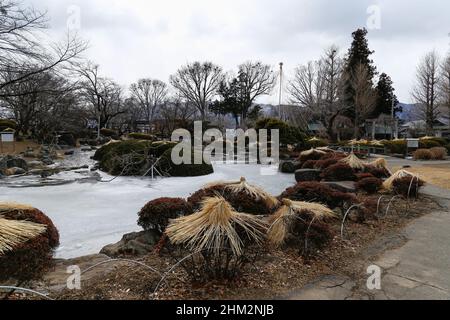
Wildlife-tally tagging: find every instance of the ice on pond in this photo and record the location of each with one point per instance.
(93, 214)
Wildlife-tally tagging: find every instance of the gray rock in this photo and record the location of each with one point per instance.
(342, 186)
(9, 161)
(133, 244)
(47, 161)
(69, 153)
(304, 175)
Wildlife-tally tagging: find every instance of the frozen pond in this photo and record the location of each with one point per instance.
(90, 215)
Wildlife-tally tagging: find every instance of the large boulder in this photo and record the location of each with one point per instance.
(7, 162)
(133, 244)
(304, 175)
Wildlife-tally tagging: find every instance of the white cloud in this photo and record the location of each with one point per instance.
(147, 38)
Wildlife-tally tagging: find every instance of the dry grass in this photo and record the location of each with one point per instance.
(242, 186)
(20, 146)
(14, 233)
(354, 162)
(380, 163)
(438, 175)
(214, 228)
(284, 219)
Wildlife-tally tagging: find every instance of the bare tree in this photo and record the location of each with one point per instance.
(364, 98)
(316, 87)
(176, 114)
(103, 97)
(23, 51)
(255, 79)
(198, 83)
(445, 84)
(426, 91)
(150, 94)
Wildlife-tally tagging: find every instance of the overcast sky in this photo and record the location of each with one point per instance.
(131, 39)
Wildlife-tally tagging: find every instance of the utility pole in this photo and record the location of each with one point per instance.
(281, 90)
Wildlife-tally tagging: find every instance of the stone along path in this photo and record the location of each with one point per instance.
(415, 264)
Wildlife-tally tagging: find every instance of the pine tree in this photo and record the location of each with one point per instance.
(358, 55)
(385, 97)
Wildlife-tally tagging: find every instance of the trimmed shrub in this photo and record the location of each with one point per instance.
(339, 172)
(431, 143)
(364, 175)
(369, 185)
(130, 157)
(438, 153)
(396, 146)
(157, 214)
(310, 164)
(317, 192)
(316, 143)
(30, 260)
(315, 155)
(288, 134)
(423, 154)
(242, 202)
(141, 136)
(108, 132)
(408, 186)
(324, 164)
(380, 173)
(289, 166)
(166, 165)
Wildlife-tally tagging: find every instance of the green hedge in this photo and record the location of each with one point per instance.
(288, 134)
(137, 152)
(141, 136)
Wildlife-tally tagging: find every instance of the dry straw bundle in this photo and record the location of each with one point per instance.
(214, 227)
(380, 163)
(389, 183)
(14, 233)
(354, 162)
(311, 151)
(242, 186)
(288, 215)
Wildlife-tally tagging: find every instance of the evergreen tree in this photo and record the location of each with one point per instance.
(358, 54)
(385, 97)
(231, 102)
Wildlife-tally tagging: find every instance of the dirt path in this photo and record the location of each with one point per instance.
(414, 263)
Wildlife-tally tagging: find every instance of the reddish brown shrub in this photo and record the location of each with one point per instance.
(241, 202)
(369, 185)
(380, 173)
(318, 192)
(319, 236)
(324, 164)
(339, 172)
(407, 186)
(361, 176)
(156, 214)
(30, 260)
(310, 164)
(315, 155)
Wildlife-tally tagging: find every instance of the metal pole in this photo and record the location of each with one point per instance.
(281, 88)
